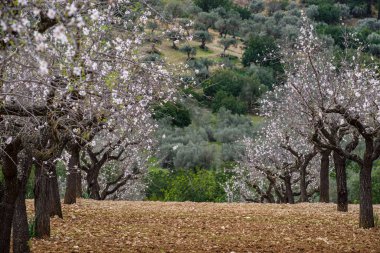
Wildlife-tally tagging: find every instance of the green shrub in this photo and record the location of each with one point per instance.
(157, 181)
(344, 10)
(312, 12)
(360, 11)
(178, 113)
(262, 50)
(289, 20)
(259, 18)
(243, 11)
(232, 90)
(198, 186)
(372, 24)
(223, 99)
(292, 5)
(265, 75)
(199, 97)
(319, 2)
(373, 38)
(337, 32)
(363, 33)
(194, 155)
(257, 6)
(374, 49)
(32, 227)
(174, 9)
(85, 195)
(201, 143)
(208, 5)
(206, 20)
(328, 13)
(276, 5)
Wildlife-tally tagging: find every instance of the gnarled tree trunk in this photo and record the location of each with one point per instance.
(54, 197)
(73, 170)
(288, 189)
(324, 177)
(366, 209)
(41, 202)
(79, 184)
(20, 231)
(303, 185)
(341, 182)
(1, 191)
(11, 189)
(93, 188)
(47, 200)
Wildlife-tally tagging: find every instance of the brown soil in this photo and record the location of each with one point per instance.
(119, 226)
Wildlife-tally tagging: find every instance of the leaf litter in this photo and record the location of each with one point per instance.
(123, 226)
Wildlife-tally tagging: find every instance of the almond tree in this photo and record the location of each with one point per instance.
(123, 147)
(341, 102)
(284, 158)
(66, 68)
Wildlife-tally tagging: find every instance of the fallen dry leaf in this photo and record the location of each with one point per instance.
(122, 226)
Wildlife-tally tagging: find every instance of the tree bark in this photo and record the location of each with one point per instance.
(20, 231)
(93, 184)
(280, 197)
(41, 202)
(79, 184)
(54, 197)
(1, 191)
(288, 189)
(303, 185)
(11, 188)
(324, 177)
(203, 45)
(341, 182)
(366, 209)
(71, 181)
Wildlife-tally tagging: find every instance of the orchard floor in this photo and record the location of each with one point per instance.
(122, 226)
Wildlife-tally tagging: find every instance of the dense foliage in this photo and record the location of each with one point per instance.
(178, 113)
(207, 5)
(232, 90)
(197, 185)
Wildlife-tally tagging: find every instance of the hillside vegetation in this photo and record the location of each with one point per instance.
(226, 121)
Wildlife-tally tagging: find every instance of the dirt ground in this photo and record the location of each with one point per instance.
(120, 226)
